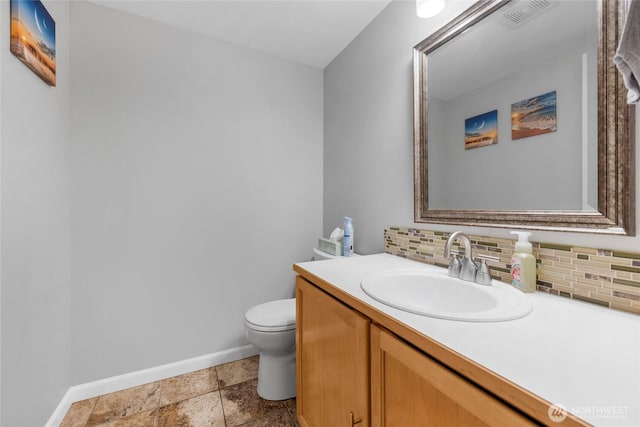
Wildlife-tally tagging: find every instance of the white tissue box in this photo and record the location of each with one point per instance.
(330, 247)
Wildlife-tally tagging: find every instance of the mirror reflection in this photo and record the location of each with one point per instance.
(521, 121)
(513, 111)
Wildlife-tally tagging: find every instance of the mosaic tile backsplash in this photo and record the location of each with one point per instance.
(599, 276)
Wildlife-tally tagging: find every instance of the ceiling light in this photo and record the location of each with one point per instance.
(429, 8)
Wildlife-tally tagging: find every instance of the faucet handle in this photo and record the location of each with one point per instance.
(454, 265)
(483, 276)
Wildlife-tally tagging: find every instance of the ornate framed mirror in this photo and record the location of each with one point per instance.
(488, 70)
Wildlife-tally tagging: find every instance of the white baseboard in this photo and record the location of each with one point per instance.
(133, 379)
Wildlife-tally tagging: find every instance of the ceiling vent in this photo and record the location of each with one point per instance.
(520, 11)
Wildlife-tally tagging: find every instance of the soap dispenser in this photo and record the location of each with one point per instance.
(523, 264)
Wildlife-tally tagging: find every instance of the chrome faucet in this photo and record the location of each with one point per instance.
(468, 268)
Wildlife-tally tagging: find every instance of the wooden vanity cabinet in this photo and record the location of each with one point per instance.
(408, 388)
(332, 361)
(358, 366)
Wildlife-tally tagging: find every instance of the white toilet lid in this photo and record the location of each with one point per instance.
(272, 316)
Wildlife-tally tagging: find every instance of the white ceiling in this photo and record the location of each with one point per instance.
(312, 32)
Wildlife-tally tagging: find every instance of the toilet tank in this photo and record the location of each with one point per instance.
(319, 255)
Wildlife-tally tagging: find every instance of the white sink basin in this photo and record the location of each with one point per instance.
(432, 293)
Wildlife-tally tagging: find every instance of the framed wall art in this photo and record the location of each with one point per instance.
(33, 38)
(534, 116)
(481, 130)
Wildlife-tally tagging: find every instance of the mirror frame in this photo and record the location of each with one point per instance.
(616, 139)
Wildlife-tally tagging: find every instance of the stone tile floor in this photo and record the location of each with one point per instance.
(221, 396)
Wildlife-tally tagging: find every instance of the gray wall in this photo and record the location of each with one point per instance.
(196, 184)
(467, 181)
(34, 231)
(368, 133)
(368, 128)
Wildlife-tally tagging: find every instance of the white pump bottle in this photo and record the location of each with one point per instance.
(347, 239)
(523, 263)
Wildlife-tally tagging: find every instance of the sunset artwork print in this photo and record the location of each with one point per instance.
(33, 38)
(534, 116)
(481, 130)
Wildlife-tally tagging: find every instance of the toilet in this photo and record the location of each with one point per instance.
(271, 328)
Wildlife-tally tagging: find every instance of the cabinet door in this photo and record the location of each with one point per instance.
(408, 388)
(332, 365)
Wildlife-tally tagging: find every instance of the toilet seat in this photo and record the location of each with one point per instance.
(272, 316)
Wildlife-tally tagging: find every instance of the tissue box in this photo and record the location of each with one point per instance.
(330, 247)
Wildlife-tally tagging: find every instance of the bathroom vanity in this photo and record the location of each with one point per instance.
(363, 363)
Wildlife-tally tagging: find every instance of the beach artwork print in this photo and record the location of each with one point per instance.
(481, 130)
(33, 38)
(534, 116)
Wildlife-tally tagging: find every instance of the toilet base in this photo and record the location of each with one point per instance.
(277, 376)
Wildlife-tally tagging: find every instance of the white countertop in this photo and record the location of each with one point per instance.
(579, 355)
